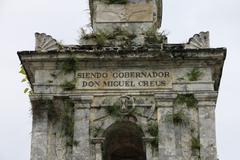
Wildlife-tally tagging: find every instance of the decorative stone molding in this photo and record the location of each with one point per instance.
(198, 41)
(45, 43)
(82, 102)
(40, 97)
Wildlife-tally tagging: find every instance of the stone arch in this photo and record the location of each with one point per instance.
(123, 141)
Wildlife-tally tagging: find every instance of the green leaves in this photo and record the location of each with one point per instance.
(28, 89)
(22, 71)
(196, 145)
(103, 38)
(194, 74)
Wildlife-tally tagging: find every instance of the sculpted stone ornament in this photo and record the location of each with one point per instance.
(127, 105)
(45, 43)
(198, 41)
(135, 16)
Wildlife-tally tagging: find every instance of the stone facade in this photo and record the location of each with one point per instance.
(118, 100)
(173, 87)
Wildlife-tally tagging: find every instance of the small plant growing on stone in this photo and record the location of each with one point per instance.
(188, 99)
(103, 38)
(113, 110)
(70, 65)
(152, 129)
(68, 85)
(153, 37)
(194, 74)
(179, 118)
(196, 145)
(100, 37)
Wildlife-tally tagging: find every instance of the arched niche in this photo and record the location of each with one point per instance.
(123, 141)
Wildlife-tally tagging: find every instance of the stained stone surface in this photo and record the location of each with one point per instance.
(121, 72)
(136, 16)
(124, 101)
(124, 13)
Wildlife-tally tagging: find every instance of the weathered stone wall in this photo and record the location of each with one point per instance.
(179, 95)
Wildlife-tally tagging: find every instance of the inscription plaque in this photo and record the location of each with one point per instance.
(142, 12)
(124, 79)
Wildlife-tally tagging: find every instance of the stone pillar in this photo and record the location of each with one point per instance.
(81, 127)
(166, 146)
(149, 151)
(98, 148)
(98, 142)
(206, 105)
(39, 144)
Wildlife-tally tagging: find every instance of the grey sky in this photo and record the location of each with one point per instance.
(20, 19)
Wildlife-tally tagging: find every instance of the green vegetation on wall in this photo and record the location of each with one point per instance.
(153, 37)
(178, 118)
(188, 99)
(65, 117)
(196, 145)
(104, 38)
(28, 89)
(68, 85)
(194, 74)
(69, 65)
(113, 110)
(152, 129)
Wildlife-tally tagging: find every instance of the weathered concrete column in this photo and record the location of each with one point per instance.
(207, 103)
(39, 144)
(166, 145)
(81, 127)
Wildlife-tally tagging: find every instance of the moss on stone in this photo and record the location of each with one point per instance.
(179, 118)
(152, 129)
(69, 65)
(68, 85)
(188, 99)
